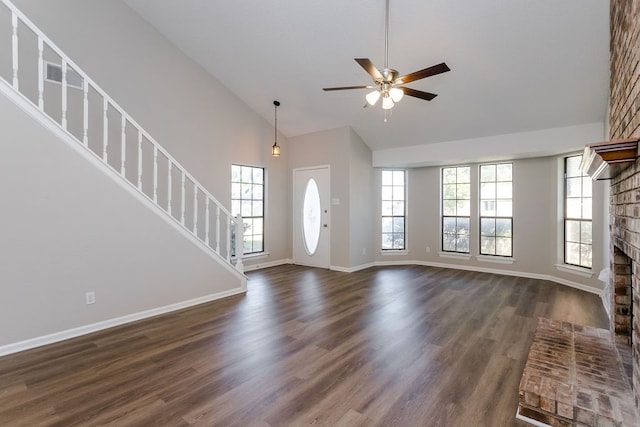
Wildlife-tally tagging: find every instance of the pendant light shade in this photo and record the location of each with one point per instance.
(275, 148)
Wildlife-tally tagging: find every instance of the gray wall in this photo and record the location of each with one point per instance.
(64, 233)
(361, 193)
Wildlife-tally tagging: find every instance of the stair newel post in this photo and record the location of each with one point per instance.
(85, 112)
(206, 220)
(155, 173)
(123, 145)
(169, 187)
(139, 160)
(64, 94)
(218, 229)
(14, 49)
(182, 199)
(239, 243)
(195, 209)
(105, 129)
(40, 74)
(229, 222)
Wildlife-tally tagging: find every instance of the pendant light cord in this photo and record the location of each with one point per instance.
(275, 128)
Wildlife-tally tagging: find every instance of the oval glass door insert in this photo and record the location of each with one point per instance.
(311, 213)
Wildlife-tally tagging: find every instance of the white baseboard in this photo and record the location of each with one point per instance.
(260, 265)
(524, 274)
(351, 269)
(94, 327)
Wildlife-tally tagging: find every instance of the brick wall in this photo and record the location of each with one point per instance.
(624, 122)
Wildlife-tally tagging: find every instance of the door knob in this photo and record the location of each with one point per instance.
(324, 225)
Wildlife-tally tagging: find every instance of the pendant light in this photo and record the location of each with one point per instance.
(275, 148)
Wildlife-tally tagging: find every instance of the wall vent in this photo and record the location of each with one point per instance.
(54, 75)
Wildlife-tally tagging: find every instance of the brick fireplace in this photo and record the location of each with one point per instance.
(622, 301)
(625, 259)
(624, 122)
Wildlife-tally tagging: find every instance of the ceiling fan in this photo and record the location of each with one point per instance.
(388, 82)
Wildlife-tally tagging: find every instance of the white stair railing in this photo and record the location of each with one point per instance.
(99, 124)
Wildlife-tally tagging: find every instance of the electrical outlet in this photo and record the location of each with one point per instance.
(428, 249)
(90, 297)
(364, 251)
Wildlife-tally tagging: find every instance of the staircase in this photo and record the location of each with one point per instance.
(47, 86)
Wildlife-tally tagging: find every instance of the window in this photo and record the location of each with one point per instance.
(247, 199)
(496, 210)
(393, 210)
(456, 208)
(577, 214)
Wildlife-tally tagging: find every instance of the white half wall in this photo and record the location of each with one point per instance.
(71, 226)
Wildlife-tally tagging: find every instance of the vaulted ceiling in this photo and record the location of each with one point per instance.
(517, 65)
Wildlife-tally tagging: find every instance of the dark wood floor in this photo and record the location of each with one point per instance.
(405, 346)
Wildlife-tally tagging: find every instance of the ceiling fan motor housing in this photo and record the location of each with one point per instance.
(389, 75)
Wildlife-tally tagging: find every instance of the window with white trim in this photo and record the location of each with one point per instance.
(496, 209)
(456, 208)
(577, 214)
(247, 199)
(393, 210)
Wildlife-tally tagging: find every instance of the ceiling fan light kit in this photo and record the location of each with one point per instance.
(387, 84)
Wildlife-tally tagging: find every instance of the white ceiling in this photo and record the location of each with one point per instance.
(517, 65)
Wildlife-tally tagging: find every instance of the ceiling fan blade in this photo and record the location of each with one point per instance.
(427, 72)
(347, 87)
(418, 93)
(370, 68)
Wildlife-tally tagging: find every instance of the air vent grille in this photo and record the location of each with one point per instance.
(54, 75)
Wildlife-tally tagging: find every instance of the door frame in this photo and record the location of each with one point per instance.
(327, 167)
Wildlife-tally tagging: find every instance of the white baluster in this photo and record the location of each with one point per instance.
(14, 47)
(155, 173)
(85, 112)
(206, 220)
(40, 74)
(105, 130)
(123, 146)
(195, 209)
(182, 200)
(169, 188)
(139, 160)
(218, 229)
(64, 94)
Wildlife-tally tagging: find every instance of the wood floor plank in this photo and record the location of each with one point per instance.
(407, 346)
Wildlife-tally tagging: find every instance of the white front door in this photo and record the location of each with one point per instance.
(311, 216)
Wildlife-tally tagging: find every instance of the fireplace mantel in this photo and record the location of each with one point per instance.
(605, 160)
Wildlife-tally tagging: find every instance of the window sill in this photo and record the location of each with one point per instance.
(496, 259)
(395, 252)
(580, 271)
(454, 255)
(252, 256)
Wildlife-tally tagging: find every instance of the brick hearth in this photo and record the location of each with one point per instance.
(574, 377)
